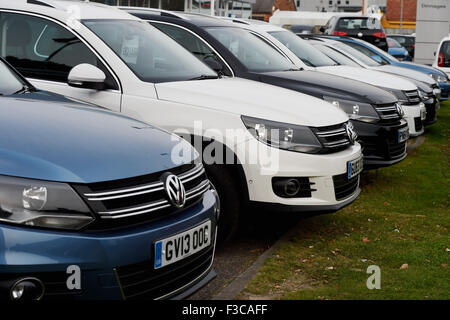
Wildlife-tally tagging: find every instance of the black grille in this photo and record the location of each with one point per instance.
(333, 138)
(54, 283)
(388, 113)
(344, 187)
(418, 124)
(129, 202)
(413, 96)
(397, 150)
(141, 281)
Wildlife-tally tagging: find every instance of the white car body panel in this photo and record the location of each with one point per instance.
(218, 104)
(435, 63)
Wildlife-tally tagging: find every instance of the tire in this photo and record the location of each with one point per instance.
(223, 178)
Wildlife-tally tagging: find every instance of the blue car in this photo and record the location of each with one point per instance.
(397, 51)
(94, 205)
(385, 58)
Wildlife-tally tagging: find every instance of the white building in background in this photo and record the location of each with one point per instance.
(336, 5)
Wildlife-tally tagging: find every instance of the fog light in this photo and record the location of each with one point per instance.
(286, 187)
(27, 289)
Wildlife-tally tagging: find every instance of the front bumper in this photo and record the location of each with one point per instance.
(380, 143)
(105, 259)
(414, 115)
(323, 172)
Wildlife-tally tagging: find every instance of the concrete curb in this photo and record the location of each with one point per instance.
(240, 282)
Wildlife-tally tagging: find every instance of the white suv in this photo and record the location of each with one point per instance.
(442, 56)
(289, 150)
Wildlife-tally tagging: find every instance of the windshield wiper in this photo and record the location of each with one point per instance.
(24, 89)
(294, 69)
(205, 77)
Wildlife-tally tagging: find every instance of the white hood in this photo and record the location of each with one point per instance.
(376, 78)
(404, 72)
(254, 99)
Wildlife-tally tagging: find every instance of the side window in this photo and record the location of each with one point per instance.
(41, 49)
(192, 43)
(367, 52)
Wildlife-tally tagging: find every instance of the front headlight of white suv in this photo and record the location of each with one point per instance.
(355, 110)
(283, 135)
(41, 204)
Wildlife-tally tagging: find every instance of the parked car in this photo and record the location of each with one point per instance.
(442, 61)
(406, 40)
(123, 63)
(242, 53)
(397, 50)
(386, 59)
(429, 91)
(365, 28)
(80, 186)
(377, 137)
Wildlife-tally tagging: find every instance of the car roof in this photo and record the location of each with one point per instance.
(68, 10)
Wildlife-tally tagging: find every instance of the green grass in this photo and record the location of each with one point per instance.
(403, 213)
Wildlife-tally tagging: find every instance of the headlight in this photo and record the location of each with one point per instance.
(438, 78)
(399, 94)
(283, 135)
(355, 110)
(41, 204)
(423, 95)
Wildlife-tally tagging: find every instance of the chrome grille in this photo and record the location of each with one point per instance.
(387, 112)
(144, 200)
(333, 138)
(413, 96)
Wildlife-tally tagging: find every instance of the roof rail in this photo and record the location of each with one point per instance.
(40, 3)
(163, 13)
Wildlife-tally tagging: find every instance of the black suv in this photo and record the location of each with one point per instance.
(365, 28)
(234, 51)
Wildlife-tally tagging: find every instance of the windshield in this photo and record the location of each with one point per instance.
(10, 82)
(386, 56)
(336, 56)
(357, 54)
(149, 53)
(253, 52)
(359, 24)
(303, 50)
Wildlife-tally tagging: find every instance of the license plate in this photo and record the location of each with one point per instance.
(403, 134)
(354, 167)
(182, 245)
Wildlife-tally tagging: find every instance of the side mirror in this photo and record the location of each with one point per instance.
(322, 29)
(377, 58)
(87, 76)
(213, 64)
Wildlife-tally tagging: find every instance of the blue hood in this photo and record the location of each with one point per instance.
(48, 137)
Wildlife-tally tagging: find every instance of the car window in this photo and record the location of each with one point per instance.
(362, 53)
(375, 50)
(393, 43)
(400, 40)
(192, 43)
(358, 24)
(445, 53)
(302, 49)
(42, 49)
(10, 82)
(253, 52)
(152, 55)
(338, 57)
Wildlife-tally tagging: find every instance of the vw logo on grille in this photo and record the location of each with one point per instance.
(175, 190)
(351, 133)
(400, 110)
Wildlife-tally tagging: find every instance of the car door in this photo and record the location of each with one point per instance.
(45, 51)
